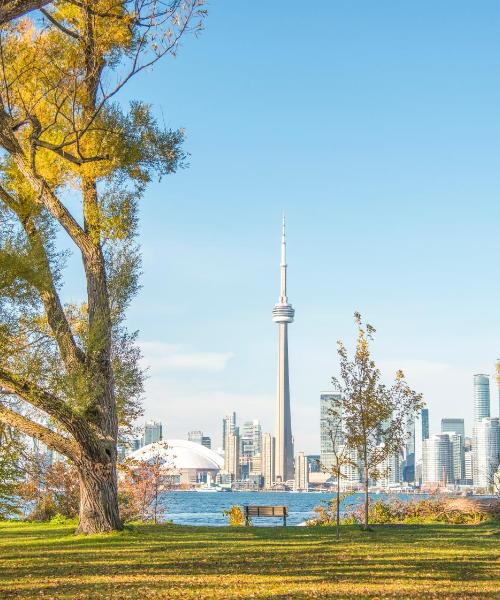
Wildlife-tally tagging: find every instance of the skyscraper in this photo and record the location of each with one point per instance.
(481, 397)
(486, 452)
(329, 430)
(228, 426)
(424, 416)
(283, 314)
(453, 426)
(232, 454)
(301, 472)
(268, 459)
(195, 436)
(437, 460)
(152, 432)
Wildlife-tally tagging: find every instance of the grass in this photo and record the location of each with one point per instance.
(169, 562)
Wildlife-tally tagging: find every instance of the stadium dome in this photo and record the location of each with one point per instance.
(192, 462)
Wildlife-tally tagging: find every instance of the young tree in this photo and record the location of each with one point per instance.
(340, 453)
(374, 415)
(141, 486)
(73, 160)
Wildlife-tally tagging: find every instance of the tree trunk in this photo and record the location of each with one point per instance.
(338, 504)
(98, 498)
(367, 499)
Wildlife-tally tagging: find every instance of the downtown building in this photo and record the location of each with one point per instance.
(485, 437)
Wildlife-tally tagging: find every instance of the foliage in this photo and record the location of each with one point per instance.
(50, 489)
(142, 486)
(235, 516)
(216, 563)
(73, 159)
(11, 472)
(374, 416)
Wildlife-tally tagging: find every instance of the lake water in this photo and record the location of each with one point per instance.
(206, 508)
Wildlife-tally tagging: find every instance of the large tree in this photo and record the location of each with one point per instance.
(74, 164)
(374, 416)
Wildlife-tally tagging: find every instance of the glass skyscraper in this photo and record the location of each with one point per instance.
(481, 397)
(152, 432)
(486, 454)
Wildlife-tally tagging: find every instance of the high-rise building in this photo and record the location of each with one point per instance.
(206, 441)
(497, 369)
(301, 472)
(453, 426)
(228, 426)
(408, 467)
(283, 314)
(232, 454)
(391, 471)
(468, 467)
(330, 430)
(424, 416)
(481, 397)
(252, 437)
(437, 468)
(486, 451)
(268, 459)
(152, 432)
(195, 436)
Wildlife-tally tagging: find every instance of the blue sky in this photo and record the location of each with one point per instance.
(375, 126)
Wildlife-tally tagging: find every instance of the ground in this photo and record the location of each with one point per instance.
(168, 562)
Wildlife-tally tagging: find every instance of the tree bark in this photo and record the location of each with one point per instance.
(98, 497)
(367, 499)
(338, 503)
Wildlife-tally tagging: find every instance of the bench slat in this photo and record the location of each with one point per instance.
(266, 511)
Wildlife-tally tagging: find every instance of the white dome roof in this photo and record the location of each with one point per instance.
(181, 454)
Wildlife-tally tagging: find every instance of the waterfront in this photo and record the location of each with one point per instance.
(207, 508)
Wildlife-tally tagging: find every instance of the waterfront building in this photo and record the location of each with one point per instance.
(232, 454)
(468, 467)
(252, 437)
(301, 473)
(153, 432)
(486, 451)
(195, 436)
(268, 460)
(283, 314)
(391, 471)
(437, 467)
(453, 426)
(314, 463)
(187, 462)
(424, 417)
(481, 397)
(408, 466)
(329, 430)
(228, 426)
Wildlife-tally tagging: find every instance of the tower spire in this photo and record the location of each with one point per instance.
(283, 298)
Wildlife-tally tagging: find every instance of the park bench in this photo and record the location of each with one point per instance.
(265, 511)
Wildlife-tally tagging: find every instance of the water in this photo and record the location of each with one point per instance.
(206, 508)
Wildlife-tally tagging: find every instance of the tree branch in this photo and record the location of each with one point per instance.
(12, 9)
(51, 439)
(53, 406)
(59, 25)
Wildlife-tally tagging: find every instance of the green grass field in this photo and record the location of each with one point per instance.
(418, 562)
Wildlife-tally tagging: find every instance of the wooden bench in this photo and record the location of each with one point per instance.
(265, 511)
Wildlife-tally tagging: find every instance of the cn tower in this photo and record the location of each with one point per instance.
(283, 313)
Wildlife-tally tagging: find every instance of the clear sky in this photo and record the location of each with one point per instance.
(376, 127)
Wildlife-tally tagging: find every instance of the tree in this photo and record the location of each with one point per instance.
(374, 415)
(340, 453)
(74, 161)
(10, 471)
(141, 486)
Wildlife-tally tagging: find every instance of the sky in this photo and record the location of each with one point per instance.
(375, 126)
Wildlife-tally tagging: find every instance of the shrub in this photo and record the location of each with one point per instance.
(235, 516)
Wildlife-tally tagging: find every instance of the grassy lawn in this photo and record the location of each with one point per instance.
(418, 562)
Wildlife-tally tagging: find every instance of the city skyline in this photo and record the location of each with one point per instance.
(411, 244)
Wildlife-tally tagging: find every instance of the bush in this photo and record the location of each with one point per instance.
(235, 516)
(395, 511)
